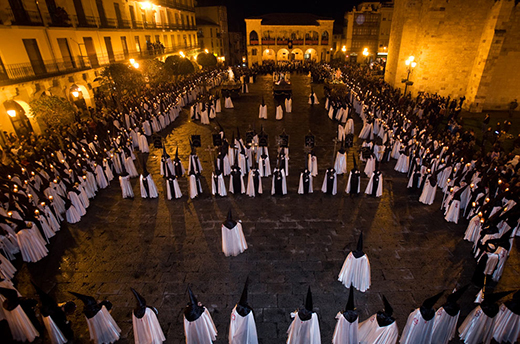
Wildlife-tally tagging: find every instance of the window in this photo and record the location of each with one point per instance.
(253, 38)
(211, 32)
(31, 47)
(253, 52)
(125, 46)
(137, 44)
(110, 51)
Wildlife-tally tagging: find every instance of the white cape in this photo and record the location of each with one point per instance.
(345, 332)
(200, 331)
(242, 330)
(417, 330)
(233, 240)
(444, 327)
(102, 327)
(147, 329)
(304, 332)
(371, 333)
(356, 272)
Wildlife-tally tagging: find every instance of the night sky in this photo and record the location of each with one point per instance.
(240, 9)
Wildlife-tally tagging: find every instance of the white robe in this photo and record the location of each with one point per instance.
(444, 327)
(379, 190)
(126, 187)
(251, 192)
(233, 240)
(356, 272)
(242, 330)
(417, 330)
(507, 326)
(200, 331)
(371, 333)
(304, 332)
(176, 190)
(288, 105)
(340, 164)
(262, 112)
(147, 329)
(102, 327)
(152, 189)
(21, 327)
(228, 103)
(55, 334)
(345, 332)
(313, 165)
(334, 186)
(477, 327)
(218, 187)
(279, 112)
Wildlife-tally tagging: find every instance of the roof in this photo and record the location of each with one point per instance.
(205, 22)
(290, 19)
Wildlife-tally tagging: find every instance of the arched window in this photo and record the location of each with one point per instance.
(325, 38)
(253, 38)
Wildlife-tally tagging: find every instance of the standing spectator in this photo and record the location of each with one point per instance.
(485, 122)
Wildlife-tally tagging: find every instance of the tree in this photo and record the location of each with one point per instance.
(53, 111)
(178, 65)
(207, 60)
(121, 77)
(156, 71)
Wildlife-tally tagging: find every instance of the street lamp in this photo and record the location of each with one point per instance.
(11, 113)
(410, 65)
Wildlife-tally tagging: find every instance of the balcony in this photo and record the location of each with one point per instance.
(297, 41)
(311, 42)
(282, 41)
(87, 21)
(19, 72)
(124, 24)
(253, 42)
(109, 23)
(137, 25)
(23, 17)
(324, 42)
(268, 41)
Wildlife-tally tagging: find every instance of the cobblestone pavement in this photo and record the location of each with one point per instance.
(159, 247)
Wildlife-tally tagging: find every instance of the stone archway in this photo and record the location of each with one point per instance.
(310, 54)
(282, 55)
(268, 54)
(296, 54)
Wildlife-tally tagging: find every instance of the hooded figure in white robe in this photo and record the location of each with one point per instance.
(330, 182)
(346, 330)
(242, 327)
(172, 188)
(313, 100)
(305, 185)
(228, 103)
(340, 164)
(147, 329)
(479, 324)
(312, 163)
(446, 318)
(218, 186)
(279, 183)
(177, 164)
(507, 324)
(198, 324)
(380, 328)
(375, 184)
(254, 182)
(167, 169)
(55, 318)
(356, 269)
(102, 327)
(233, 240)
(147, 185)
(264, 163)
(279, 112)
(305, 328)
(262, 111)
(419, 326)
(288, 104)
(20, 316)
(126, 186)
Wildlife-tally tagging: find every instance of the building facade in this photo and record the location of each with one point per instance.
(216, 37)
(367, 26)
(237, 50)
(280, 37)
(465, 48)
(58, 47)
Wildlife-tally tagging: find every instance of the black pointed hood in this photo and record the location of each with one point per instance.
(243, 307)
(229, 222)
(359, 248)
(350, 313)
(90, 305)
(193, 311)
(263, 101)
(384, 318)
(306, 313)
(426, 308)
(12, 300)
(165, 153)
(177, 153)
(489, 305)
(49, 305)
(140, 308)
(451, 306)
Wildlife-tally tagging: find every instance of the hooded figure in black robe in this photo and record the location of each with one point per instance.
(305, 327)
(144, 320)
(198, 324)
(177, 164)
(346, 330)
(419, 326)
(102, 327)
(330, 182)
(218, 187)
(305, 185)
(55, 318)
(242, 327)
(254, 181)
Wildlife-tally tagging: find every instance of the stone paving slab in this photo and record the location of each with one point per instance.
(159, 246)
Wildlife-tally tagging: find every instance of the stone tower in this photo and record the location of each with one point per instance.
(465, 48)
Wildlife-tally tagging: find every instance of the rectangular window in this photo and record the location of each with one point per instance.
(137, 44)
(66, 55)
(91, 51)
(31, 47)
(125, 46)
(110, 51)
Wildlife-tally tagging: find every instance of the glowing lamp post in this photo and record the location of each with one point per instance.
(365, 54)
(410, 65)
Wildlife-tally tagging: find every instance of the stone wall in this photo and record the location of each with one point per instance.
(462, 48)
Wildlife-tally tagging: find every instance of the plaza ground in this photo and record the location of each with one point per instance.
(159, 247)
